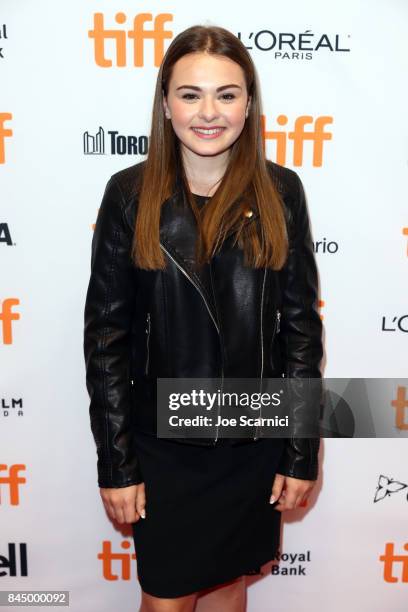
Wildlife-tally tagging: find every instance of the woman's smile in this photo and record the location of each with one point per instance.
(208, 133)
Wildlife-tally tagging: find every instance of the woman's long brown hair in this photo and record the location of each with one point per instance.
(246, 181)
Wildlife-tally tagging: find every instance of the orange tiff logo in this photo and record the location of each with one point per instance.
(405, 233)
(138, 34)
(316, 135)
(107, 557)
(4, 133)
(12, 480)
(390, 559)
(6, 317)
(400, 404)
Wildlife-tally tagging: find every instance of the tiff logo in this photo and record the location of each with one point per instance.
(94, 145)
(405, 233)
(4, 133)
(107, 556)
(320, 304)
(298, 136)
(390, 560)
(12, 480)
(400, 404)
(138, 34)
(6, 317)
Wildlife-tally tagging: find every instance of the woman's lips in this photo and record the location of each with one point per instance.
(208, 133)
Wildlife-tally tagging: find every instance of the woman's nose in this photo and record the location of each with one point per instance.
(208, 109)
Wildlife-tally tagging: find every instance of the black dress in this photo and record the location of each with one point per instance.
(208, 516)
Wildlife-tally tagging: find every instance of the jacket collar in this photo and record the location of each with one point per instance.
(178, 226)
(178, 236)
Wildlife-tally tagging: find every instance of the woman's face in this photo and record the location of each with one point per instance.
(207, 102)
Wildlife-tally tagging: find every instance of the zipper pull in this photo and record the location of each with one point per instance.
(147, 344)
(278, 316)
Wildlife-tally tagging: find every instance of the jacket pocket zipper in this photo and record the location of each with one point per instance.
(278, 316)
(147, 343)
(277, 330)
(262, 347)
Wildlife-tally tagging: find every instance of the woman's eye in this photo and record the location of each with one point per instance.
(227, 97)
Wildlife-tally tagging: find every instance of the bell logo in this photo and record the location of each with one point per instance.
(15, 562)
(107, 556)
(400, 404)
(390, 560)
(317, 135)
(4, 133)
(6, 317)
(138, 35)
(12, 480)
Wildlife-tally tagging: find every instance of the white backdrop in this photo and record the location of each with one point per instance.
(52, 91)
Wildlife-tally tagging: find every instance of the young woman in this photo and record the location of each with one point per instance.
(202, 267)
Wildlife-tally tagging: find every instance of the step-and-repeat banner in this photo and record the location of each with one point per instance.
(76, 88)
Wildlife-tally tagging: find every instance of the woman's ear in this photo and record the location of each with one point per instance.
(166, 109)
(248, 105)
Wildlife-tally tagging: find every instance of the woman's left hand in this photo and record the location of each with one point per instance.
(290, 492)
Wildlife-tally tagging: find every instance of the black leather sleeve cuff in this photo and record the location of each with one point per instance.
(124, 477)
(300, 458)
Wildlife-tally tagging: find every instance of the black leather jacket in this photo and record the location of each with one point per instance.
(180, 323)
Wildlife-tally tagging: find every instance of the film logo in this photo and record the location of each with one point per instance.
(111, 44)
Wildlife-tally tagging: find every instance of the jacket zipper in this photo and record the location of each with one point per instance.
(278, 315)
(195, 284)
(147, 343)
(209, 312)
(262, 343)
(216, 325)
(275, 331)
(222, 366)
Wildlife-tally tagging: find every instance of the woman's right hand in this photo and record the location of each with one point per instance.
(126, 504)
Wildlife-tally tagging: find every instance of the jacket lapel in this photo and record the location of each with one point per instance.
(178, 235)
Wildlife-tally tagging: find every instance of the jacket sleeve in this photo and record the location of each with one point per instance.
(301, 340)
(108, 313)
